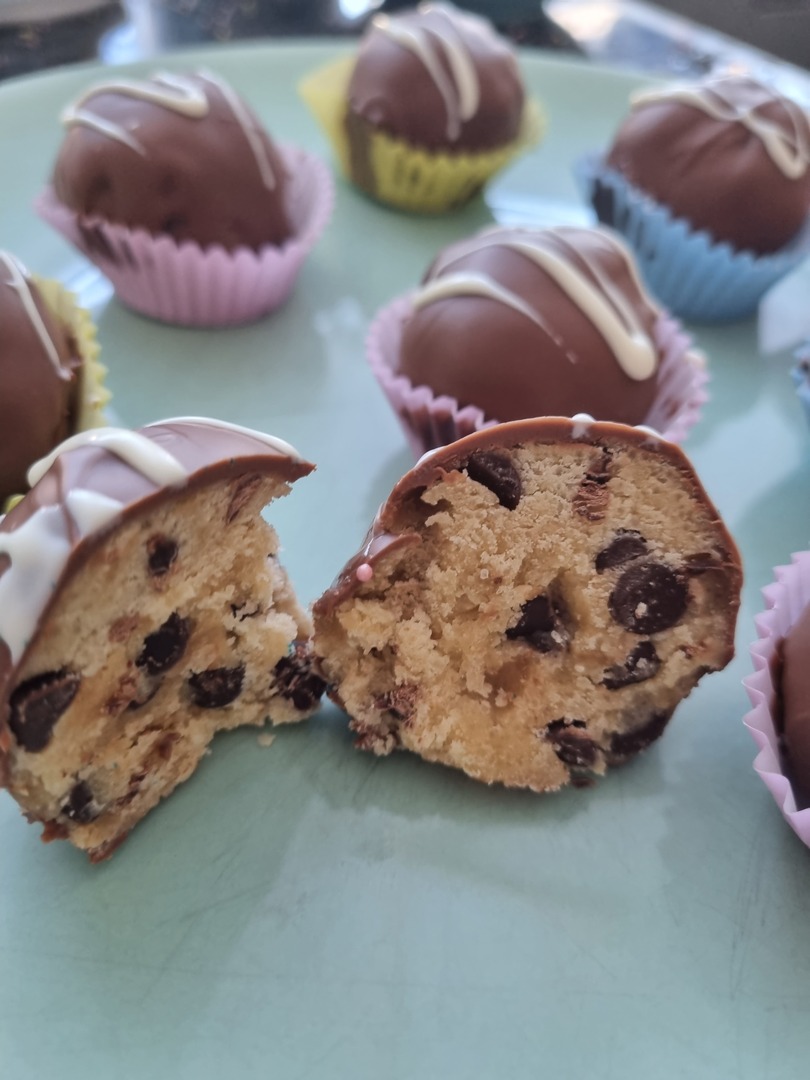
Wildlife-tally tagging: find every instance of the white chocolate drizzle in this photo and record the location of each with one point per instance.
(38, 550)
(272, 441)
(141, 454)
(175, 92)
(461, 93)
(18, 280)
(787, 146)
(251, 131)
(600, 300)
(40, 547)
(178, 93)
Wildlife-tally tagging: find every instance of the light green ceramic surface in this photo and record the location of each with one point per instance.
(305, 910)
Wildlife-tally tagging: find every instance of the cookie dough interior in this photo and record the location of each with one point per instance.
(561, 602)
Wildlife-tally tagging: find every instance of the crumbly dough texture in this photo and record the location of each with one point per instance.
(182, 624)
(535, 645)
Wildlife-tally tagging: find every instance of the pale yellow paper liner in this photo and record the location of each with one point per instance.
(93, 393)
(405, 176)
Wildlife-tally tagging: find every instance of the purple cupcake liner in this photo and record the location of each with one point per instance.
(695, 277)
(785, 600)
(430, 421)
(187, 285)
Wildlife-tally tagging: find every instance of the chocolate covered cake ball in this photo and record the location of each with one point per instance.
(176, 155)
(729, 155)
(523, 323)
(40, 377)
(437, 78)
(143, 608)
(531, 603)
(794, 721)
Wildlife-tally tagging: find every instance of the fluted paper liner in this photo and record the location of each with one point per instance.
(430, 421)
(188, 285)
(696, 277)
(406, 176)
(93, 393)
(785, 600)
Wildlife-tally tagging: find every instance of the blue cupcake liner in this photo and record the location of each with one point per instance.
(801, 377)
(695, 277)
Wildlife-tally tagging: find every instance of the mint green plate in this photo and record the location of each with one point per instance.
(304, 910)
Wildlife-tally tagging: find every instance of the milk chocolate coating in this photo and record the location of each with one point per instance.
(387, 535)
(484, 353)
(715, 173)
(197, 180)
(392, 90)
(38, 403)
(795, 712)
(209, 454)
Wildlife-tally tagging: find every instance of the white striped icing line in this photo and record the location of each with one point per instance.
(181, 95)
(19, 282)
(461, 94)
(175, 92)
(611, 314)
(789, 150)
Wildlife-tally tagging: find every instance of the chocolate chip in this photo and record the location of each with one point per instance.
(162, 649)
(627, 544)
(542, 624)
(37, 704)
(216, 687)
(81, 806)
(641, 664)
(161, 553)
(399, 702)
(570, 745)
(243, 490)
(592, 496)
(496, 471)
(624, 744)
(649, 597)
(295, 679)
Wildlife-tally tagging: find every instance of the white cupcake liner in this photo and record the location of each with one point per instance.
(187, 285)
(785, 600)
(430, 421)
(695, 277)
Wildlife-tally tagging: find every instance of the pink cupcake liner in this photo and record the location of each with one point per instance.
(429, 421)
(188, 285)
(785, 600)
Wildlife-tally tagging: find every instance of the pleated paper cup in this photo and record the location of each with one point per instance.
(188, 285)
(430, 420)
(785, 600)
(695, 277)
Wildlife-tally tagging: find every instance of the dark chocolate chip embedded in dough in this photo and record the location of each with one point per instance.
(400, 702)
(570, 745)
(641, 664)
(36, 705)
(216, 687)
(625, 744)
(496, 471)
(81, 806)
(649, 597)
(295, 679)
(163, 648)
(627, 544)
(161, 553)
(542, 624)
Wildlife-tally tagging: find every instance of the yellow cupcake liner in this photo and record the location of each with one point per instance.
(399, 174)
(93, 393)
